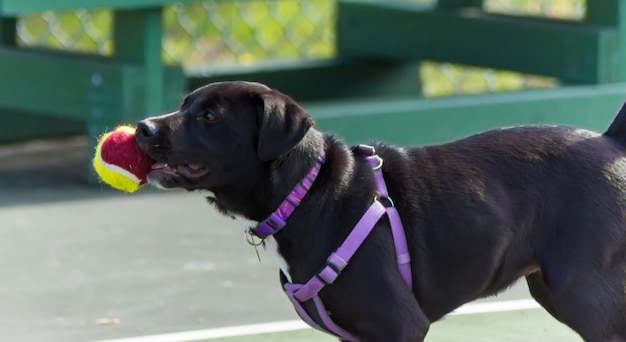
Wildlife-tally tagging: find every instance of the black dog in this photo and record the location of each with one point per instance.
(547, 203)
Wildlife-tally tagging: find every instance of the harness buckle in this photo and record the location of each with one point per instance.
(375, 161)
(387, 202)
(329, 273)
(364, 149)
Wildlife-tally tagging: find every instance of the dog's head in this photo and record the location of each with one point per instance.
(223, 135)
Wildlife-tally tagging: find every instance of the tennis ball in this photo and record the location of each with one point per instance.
(119, 161)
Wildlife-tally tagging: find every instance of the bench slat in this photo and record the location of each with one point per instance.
(322, 79)
(421, 121)
(17, 7)
(575, 52)
(61, 85)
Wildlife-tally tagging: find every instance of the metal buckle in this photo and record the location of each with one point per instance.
(388, 199)
(365, 149)
(333, 267)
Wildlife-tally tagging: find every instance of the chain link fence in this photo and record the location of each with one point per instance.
(246, 31)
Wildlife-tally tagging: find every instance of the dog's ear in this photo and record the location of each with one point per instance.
(282, 124)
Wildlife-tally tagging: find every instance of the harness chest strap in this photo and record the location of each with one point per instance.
(300, 293)
(338, 260)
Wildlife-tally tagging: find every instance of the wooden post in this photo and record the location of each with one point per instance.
(611, 13)
(8, 31)
(137, 39)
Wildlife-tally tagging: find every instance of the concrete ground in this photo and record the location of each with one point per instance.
(80, 262)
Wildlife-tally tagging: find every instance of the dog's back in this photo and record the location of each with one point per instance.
(545, 202)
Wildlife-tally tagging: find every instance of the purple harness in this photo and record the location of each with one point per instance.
(337, 261)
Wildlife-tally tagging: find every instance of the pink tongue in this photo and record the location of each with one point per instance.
(190, 167)
(161, 166)
(194, 167)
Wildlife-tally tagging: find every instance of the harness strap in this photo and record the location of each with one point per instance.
(329, 325)
(340, 258)
(397, 230)
(337, 261)
(376, 163)
(402, 248)
(277, 220)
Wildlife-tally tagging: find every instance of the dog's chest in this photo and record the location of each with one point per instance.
(272, 249)
(269, 244)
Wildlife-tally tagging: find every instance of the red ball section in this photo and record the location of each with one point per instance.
(119, 148)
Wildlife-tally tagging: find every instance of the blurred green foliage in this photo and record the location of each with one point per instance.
(245, 31)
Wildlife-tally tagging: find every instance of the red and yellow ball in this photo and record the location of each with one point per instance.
(119, 161)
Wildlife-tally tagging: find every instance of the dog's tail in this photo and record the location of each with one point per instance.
(617, 129)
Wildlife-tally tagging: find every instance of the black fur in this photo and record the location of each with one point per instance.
(546, 203)
(617, 128)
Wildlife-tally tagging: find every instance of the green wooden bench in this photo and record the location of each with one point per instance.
(587, 56)
(91, 90)
(590, 51)
(368, 91)
(101, 92)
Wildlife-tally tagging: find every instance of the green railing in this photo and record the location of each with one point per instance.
(213, 33)
(380, 62)
(202, 32)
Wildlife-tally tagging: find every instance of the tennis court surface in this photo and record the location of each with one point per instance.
(83, 263)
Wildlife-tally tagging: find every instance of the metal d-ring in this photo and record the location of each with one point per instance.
(380, 163)
(250, 239)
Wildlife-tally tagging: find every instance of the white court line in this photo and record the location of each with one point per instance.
(274, 327)
(241, 330)
(506, 305)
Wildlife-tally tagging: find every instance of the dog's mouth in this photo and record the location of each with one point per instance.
(186, 170)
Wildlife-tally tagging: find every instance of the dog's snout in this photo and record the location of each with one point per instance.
(146, 130)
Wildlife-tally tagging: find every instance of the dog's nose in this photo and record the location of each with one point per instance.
(146, 130)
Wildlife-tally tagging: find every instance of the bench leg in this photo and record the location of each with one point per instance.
(137, 38)
(611, 13)
(8, 31)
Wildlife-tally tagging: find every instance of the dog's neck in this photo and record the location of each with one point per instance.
(334, 183)
(258, 199)
(290, 168)
(316, 226)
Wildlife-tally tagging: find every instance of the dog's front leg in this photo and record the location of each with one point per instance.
(398, 319)
(414, 331)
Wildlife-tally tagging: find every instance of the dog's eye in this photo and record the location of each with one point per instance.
(210, 117)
